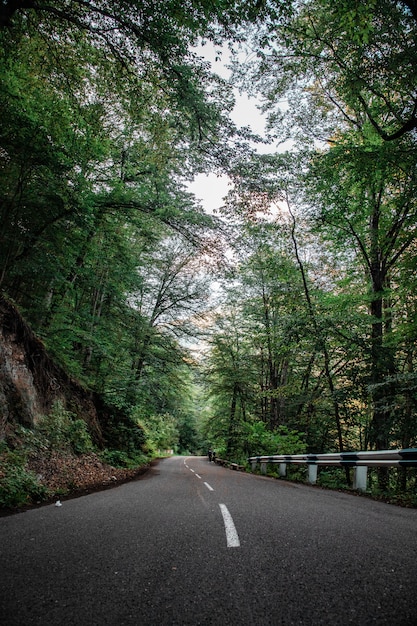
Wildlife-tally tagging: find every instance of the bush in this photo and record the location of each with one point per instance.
(261, 440)
(122, 432)
(53, 427)
(59, 430)
(332, 477)
(118, 458)
(79, 437)
(17, 485)
(161, 432)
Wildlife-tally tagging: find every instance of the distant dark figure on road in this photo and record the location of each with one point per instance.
(210, 454)
(213, 455)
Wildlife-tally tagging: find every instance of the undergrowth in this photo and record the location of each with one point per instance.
(58, 434)
(120, 458)
(18, 486)
(401, 488)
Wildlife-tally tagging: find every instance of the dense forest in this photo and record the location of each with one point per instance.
(286, 321)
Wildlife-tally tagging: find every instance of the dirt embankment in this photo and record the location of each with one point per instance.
(67, 476)
(31, 382)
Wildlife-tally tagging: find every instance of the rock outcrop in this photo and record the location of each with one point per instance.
(31, 382)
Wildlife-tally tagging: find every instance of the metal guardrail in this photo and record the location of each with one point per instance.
(229, 464)
(360, 461)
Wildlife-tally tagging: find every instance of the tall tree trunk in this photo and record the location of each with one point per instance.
(61, 291)
(321, 342)
(231, 436)
(272, 370)
(382, 359)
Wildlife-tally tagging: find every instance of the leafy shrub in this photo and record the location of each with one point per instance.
(332, 477)
(79, 437)
(53, 427)
(261, 440)
(122, 432)
(161, 432)
(119, 458)
(17, 485)
(59, 430)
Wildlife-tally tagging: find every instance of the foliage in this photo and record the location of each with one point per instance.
(120, 458)
(332, 477)
(102, 131)
(161, 432)
(61, 448)
(189, 438)
(122, 433)
(58, 430)
(260, 440)
(107, 115)
(18, 486)
(79, 437)
(336, 64)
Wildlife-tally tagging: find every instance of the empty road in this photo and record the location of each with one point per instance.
(193, 543)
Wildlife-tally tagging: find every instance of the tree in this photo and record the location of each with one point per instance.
(230, 376)
(346, 72)
(106, 114)
(337, 64)
(172, 292)
(272, 289)
(368, 198)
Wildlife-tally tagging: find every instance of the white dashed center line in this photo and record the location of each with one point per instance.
(232, 537)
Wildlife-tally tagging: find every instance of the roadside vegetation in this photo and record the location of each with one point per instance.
(286, 320)
(57, 457)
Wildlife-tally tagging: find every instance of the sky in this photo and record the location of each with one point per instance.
(211, 189)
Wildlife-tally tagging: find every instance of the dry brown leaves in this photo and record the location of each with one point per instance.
(64, 473)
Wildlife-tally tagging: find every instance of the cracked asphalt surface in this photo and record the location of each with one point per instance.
(154, 552)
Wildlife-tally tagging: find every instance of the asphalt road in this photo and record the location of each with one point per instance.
(162, 551)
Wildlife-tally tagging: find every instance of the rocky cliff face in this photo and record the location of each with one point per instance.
(31, 382)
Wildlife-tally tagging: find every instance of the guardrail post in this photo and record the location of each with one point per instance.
(364, 459)
(360, 477)
(312, 473)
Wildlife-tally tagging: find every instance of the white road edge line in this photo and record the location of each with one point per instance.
(232, 537)
(198, 475)
(209, 487)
